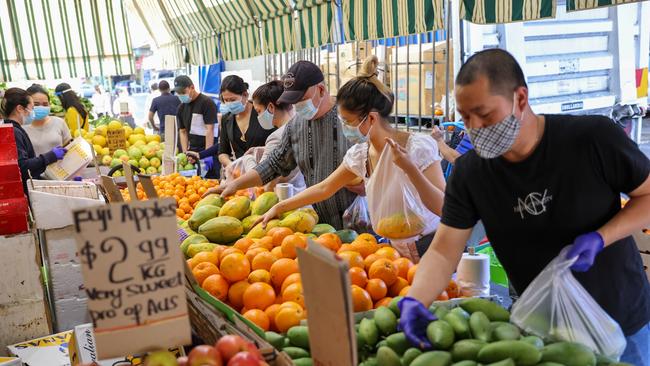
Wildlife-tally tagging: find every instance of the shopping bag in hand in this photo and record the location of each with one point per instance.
(396, 211)
(555, 306)
(356, 216)
(238, 168)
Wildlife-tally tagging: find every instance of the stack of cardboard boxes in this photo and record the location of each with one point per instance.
(13, 202)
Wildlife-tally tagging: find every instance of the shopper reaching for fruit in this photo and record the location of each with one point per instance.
(539, 183)
(364, 106)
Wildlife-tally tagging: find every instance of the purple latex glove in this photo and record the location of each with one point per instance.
(59, 152)
(209, 162)
(413, 321)
(585, 247)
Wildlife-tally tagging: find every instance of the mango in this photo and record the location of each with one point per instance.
(410, 355)
(201, 215)
(479, 325)
(534, 340)
(310, 211)
(506, 332)
(385, 320)
(392, 305)
(192, 239)
(296, 352)
(433, 358)
(238, 207)
(368, 332)
(522, 353)
(211, 199)
(321, 229)
(194, 249)
(347, 235)
(493, 311)
(305, 361)
(506, 362)
(298, 222)
(222, 230)
(568, 354)
(247, 223)
(387, 357)
(400, 226)
(257, 232)
(299, 336)
(271, 224)
(398, 343)
(275, 339)
(459, 323)
(440, 334)
(465, 363)
(466, 349)
(264, 203)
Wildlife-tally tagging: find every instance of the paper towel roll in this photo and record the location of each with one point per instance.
(473, 275)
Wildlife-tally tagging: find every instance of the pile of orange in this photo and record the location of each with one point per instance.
(260, 278)
(186, 191)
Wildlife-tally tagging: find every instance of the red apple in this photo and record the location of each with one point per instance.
(204, 355)
(244, 359)
(230, 345)
(251, 348)
(182, 361)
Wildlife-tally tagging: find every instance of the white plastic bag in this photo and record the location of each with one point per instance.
(238, 168)
(555, 306)
(356, 216)
(396, 211)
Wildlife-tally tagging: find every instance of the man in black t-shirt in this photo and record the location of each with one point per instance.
(197, 116)
(540, 183)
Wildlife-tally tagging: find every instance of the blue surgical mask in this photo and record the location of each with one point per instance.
(28, 119)
(184, 98)
(41, 112)
(306, 109)
(266, 119)
(235, 107)
(353, 134)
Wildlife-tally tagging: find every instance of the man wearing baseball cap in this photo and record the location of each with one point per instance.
(197, 116)
(312, 141)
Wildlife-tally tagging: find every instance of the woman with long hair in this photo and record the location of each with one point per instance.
(76, 115)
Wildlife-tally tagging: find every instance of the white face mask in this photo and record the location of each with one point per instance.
(306, 109)
(266, 119)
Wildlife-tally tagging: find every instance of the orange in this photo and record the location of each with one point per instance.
(253, 252)
(411, 273)
(236, 294)
(210, 257)
(264, 242)
(443, 296)
(292, 278)
(403, 265)
(388, 253)
(180, 212)
(369, 260)
(217, 286)
(259, 275)
(194, 197)
(288, 317)
(259, 318)
(219, 249)
(331, 241)
(185, 207)
(384, 270)
(452, 289)
(229, 250)
(354, 259)
(360, 299)
(263, 260)
(290, 243)
(294, 293)
(187, 216)
(281, 269)
(367, 237)
(365, 248)
(235, 267)
(204, 270)
(271, 311)
(383, 302)
(405, 291)
(259, 295)
(277, 252)
(191, 263)
(345, 248)
(243, 244)
(377, 289)
(397, 287)
(278, 234)
(290, 304)
(358, 276)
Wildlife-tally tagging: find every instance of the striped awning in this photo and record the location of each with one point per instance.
(573, 5)
(58, 39)
(237, 28)
(376, 19)
(276, 17)
(506, 11)
(314, 22)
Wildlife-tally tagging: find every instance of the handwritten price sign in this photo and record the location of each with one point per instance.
(134, 277)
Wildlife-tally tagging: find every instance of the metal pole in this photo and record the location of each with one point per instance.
(421, 84)
(448, 59)
(407, 119)
(396, 46)
(433, 75)
(338, 68)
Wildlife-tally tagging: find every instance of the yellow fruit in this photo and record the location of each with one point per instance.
(101, 130)
(127, 131)
(105, 151)
(150, 138)
(138, 131)
(114, 125)
(98, 149)
(299, 222)
(400, 226)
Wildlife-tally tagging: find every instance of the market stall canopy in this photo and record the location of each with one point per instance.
(60, 39)
(370, 19)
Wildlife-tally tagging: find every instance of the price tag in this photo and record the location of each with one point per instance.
(134, 276)
(115, 139)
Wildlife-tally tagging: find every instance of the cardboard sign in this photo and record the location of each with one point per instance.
(115, 139)
(147, 186)
(171, 136)
(111, 189)
(332, 337)
(134, 276)
(130, 183)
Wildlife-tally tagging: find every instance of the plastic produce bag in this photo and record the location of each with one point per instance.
(356, 216)
(396, 211)
(555, 306)
(238, 168)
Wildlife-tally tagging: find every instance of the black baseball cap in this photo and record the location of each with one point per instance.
(182, 82)
(301, 76)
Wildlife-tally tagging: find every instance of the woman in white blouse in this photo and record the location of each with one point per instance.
(45, 132)
(364, 106)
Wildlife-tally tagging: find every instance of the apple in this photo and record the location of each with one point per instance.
(182, 361)
(244, 359)
(204, 355)
(252, 349)
(230, 345)
(160, 358)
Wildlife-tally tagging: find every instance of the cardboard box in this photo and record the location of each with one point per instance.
(67, 281)
(418, 88)
(71, 312)
(10, 361)
(8, 151)
(11, 189)
(51, 350)
(60, 246)
(9, 171)
(13, 215)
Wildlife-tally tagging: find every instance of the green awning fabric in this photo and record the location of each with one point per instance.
(236, 26)
(277, 25)
(375, 19)
(314, 22)
(55, 39)
(240, 43)
(573, 5)
(506, 11)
